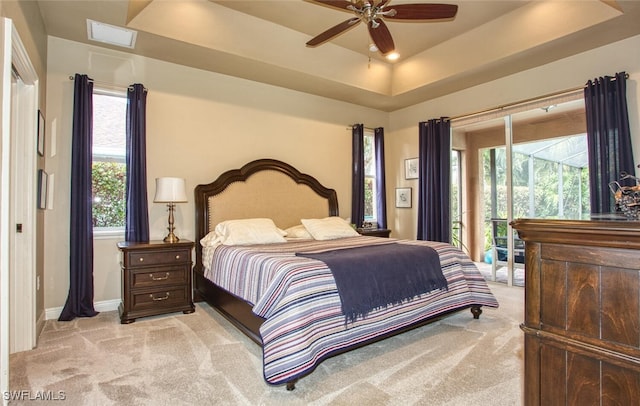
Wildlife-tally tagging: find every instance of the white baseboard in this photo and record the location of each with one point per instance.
(103, 306)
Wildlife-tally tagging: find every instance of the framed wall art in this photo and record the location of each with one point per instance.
(403, 197)
(40, 133)
(411, 168)
(42, 189)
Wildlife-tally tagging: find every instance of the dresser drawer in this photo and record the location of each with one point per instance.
(159, 298)
(151, 258)
(159, 276)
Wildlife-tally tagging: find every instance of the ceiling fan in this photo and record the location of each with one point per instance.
(374, 12)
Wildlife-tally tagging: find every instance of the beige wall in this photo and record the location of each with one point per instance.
(199, 124)
(565, 74)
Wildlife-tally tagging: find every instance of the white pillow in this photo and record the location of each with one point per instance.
(329, 228)
(298, 231)
(210, 239)
(249, 231)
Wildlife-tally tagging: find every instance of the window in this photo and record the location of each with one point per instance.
(109, 167)
(456, 199)
(370, 188)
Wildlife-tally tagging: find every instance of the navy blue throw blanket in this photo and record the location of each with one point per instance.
(377, 276)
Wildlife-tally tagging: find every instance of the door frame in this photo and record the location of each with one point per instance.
(5, 138)
(13, 54)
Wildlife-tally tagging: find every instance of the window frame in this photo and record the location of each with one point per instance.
(373, 175)
(109, 232)
(457, 236)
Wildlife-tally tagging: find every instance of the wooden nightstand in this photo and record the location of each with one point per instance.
(156, 279)
(375, 232)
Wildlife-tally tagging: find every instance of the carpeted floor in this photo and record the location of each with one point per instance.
(200, 359)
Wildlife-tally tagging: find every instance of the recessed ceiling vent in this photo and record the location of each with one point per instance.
(110, 34)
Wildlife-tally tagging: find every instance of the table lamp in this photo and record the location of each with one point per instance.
(170, 191)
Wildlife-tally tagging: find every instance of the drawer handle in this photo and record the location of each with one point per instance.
(177, 256)
(159, 278)
(141, 259)
(157, 299)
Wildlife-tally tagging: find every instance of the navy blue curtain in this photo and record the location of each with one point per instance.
(357, 183)
(80, 299)
(608, 138)
(137, 213)
(381, 186)
(434, 183)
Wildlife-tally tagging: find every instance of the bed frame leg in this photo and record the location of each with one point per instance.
(476, 311)
(291, 385)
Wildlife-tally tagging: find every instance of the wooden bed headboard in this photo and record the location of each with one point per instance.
(263, 188)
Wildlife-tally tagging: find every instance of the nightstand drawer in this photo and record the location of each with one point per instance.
(159, 276)
(160, 298)
(150, 258)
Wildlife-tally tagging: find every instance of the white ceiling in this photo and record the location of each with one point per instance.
(264, 40)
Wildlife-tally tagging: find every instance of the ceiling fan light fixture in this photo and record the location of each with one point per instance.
(392, 56)
(373, 48)
(373, 14)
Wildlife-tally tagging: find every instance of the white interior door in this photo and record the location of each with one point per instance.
(22, 213)
(23, 190)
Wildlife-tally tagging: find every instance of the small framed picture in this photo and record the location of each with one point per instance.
(43, 180)
(411, 168)
(40, 133)
(403, 197)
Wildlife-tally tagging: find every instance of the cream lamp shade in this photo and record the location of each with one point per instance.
(170, 190)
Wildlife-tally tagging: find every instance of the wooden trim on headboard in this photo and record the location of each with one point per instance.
(205, 191)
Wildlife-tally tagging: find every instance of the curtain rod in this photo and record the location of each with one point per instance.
(504, 106)
(366, 128)
(106, 84)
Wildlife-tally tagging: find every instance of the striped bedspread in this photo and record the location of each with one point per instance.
(299, 301)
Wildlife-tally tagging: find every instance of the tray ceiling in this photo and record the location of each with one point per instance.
(265, 41)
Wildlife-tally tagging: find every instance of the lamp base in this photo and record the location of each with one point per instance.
(171, 238)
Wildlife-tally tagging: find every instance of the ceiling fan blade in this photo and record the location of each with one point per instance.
(339, 4)
(382, 37)
(422, 11)
(333, 31)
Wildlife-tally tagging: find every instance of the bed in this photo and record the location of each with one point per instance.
(288, 302)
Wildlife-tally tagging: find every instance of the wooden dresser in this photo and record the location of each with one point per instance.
(156, 279)
(582, 312)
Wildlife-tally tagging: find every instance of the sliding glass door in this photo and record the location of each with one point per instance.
(531, 164)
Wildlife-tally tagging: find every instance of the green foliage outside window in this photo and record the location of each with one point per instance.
(108, 194)
(369, 207)
(456, 220)
(575, 190)
(370, 178)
